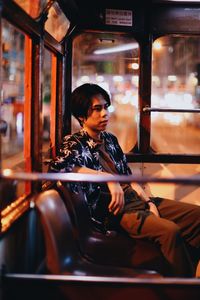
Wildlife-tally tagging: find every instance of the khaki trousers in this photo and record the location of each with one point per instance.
(176, 232)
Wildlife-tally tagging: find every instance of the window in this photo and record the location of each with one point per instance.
(176, 85)
(32, 8)
(46, 106)
(112, 62)
(57, 23)
(12, 104)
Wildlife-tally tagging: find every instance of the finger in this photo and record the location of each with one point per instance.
(118, 203)
(112, 203)
(116, 211)
(113, 207)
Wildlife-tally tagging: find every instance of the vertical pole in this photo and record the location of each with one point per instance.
(36, 109)
(1, 96)
(145, 95)
(27, 110)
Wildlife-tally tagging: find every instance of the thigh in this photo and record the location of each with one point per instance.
(146, 225)
(177, 211)
(185, 215)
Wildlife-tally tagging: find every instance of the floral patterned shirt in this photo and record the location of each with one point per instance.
(79, 149)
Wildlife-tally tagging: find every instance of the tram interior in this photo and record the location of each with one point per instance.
(111, 55)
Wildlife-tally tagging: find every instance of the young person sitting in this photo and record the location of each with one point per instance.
(173, 226)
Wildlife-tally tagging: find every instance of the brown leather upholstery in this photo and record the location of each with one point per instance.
(112, 248)
(62, 253)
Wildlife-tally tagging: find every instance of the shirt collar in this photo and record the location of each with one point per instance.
(92, 143)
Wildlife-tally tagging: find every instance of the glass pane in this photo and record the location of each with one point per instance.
(46, 103)
(176, 84)
(12, 105)
(112, 62)
(32, 7)
(178, 192)
(57, 23)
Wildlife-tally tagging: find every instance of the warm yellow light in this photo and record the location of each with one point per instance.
(134, 66)
(7, 172)
(157, 45)
(172, 77)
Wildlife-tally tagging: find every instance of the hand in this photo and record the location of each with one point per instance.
(117, 200)
(153, 209)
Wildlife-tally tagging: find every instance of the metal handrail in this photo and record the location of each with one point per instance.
(177, 110)
(77, 177)
(102, 279)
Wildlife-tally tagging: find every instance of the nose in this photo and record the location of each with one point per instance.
(104, 111)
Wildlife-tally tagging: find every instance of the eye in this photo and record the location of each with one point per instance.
(97, 108)
(106, 106)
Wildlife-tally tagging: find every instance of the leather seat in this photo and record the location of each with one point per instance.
(111, 248)
(62, 254)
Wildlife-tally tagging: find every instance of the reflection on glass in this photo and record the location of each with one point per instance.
(12, 105)
(177, 192)
(57, 23)
(112, 62)
(32, 7)
(46, 102)
(176, 84)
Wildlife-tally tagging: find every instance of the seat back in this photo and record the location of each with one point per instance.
(62, 253)
(77, 208)
(58, 231)
(115, 248)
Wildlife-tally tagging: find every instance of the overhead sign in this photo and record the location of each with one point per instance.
(119, 17)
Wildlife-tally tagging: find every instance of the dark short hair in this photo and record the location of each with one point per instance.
(81, 99)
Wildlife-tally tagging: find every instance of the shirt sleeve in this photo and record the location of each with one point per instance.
(121, 157)
(69, 157)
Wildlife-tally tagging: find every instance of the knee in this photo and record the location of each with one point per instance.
(197, 210)
(172, 232)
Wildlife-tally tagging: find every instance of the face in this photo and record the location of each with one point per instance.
(97, 118)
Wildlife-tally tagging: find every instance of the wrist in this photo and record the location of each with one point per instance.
(149, 202)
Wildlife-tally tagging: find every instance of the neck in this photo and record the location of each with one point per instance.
(92, 133)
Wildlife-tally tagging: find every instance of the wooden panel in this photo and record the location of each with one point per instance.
(53, 104)
(175, 19)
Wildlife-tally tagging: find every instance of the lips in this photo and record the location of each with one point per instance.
(104, 122)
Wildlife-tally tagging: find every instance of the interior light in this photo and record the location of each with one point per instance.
(100, 78)
(172, 78)
(85, 78)
(118, 48)
(134, 66)
(157, 45)
(7, 172)
(117, 78)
